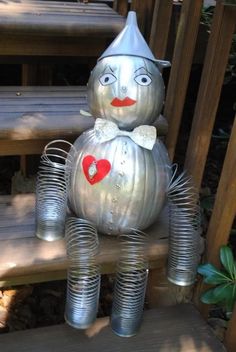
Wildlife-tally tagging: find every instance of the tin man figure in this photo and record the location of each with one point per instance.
(117, 178)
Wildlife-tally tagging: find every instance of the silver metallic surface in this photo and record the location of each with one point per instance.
(83, 275)
(184, 239)
(130, 285)
(131, 195)
(51, 191)
(127, 90)
(145, 136)
(130, 41)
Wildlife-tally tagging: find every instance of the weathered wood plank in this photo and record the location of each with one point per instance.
(28, 45)
(22, 254)
(144, 11)
(178, 328)
(221, 221)
(67, 104)
(217, 54)
(38, 7)
(121, 7)
(36, 74)
(181, 67)
(229, 2)
(83, 24)
(224, 209)
(37, 125)
(36, 89)
(160, 27)
(25, 147)
(56, 28)
(42, 114)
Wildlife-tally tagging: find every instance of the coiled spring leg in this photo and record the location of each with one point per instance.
(51, 191)
(130, 285)
(184, 240)
(83, 276)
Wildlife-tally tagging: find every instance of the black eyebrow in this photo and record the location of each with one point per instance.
(142, 67)
(107, 67)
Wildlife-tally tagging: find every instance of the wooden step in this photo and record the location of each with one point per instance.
(169, 329)
(39, 114)
(26, 259)
(31, 116)
(59, 18)
(56, 28)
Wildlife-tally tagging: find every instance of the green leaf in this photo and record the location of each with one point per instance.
(228, 293)
(223, 292)
(208, 297)
(229, 304)
(227, 260)
(215, 279)
(208, 270)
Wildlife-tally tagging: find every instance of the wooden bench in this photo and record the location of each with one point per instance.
(35, 33)
(26, 259)
(172, 329)
(31, 116)
(54, 28)
(36, 115)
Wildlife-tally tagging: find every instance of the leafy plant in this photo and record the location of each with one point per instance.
(224, 293)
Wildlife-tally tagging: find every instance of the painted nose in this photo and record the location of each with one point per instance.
(124, 89)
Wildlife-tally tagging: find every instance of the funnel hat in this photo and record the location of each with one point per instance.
(131, 42)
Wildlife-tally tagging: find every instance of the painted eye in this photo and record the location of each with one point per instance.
(143, 80)
(107, 78)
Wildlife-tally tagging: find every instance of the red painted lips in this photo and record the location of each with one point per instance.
(124, 102)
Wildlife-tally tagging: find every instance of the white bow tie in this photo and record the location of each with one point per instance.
(144, 136)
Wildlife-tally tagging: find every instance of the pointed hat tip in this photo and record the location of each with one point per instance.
(131, 42)
(131, 19)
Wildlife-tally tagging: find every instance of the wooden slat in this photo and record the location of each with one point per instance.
(229, 2)
(42, 113)
(97, 23)
(12, 91)
(160, 27)
(178, 328)
(121, 7)
(24, 258)
(27, 45)
(60, 18)
(66, 7)
(224, 209)
(220, 225)
(144, 11)
(56, 28)
(36, 74)
(218, 48)
(181, 67)
(39, 125)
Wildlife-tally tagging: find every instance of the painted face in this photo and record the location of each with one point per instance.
(127, 90)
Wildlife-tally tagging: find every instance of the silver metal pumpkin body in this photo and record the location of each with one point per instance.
(127, 90)
(128, 195)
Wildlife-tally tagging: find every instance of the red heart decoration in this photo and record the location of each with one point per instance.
(103, 167)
